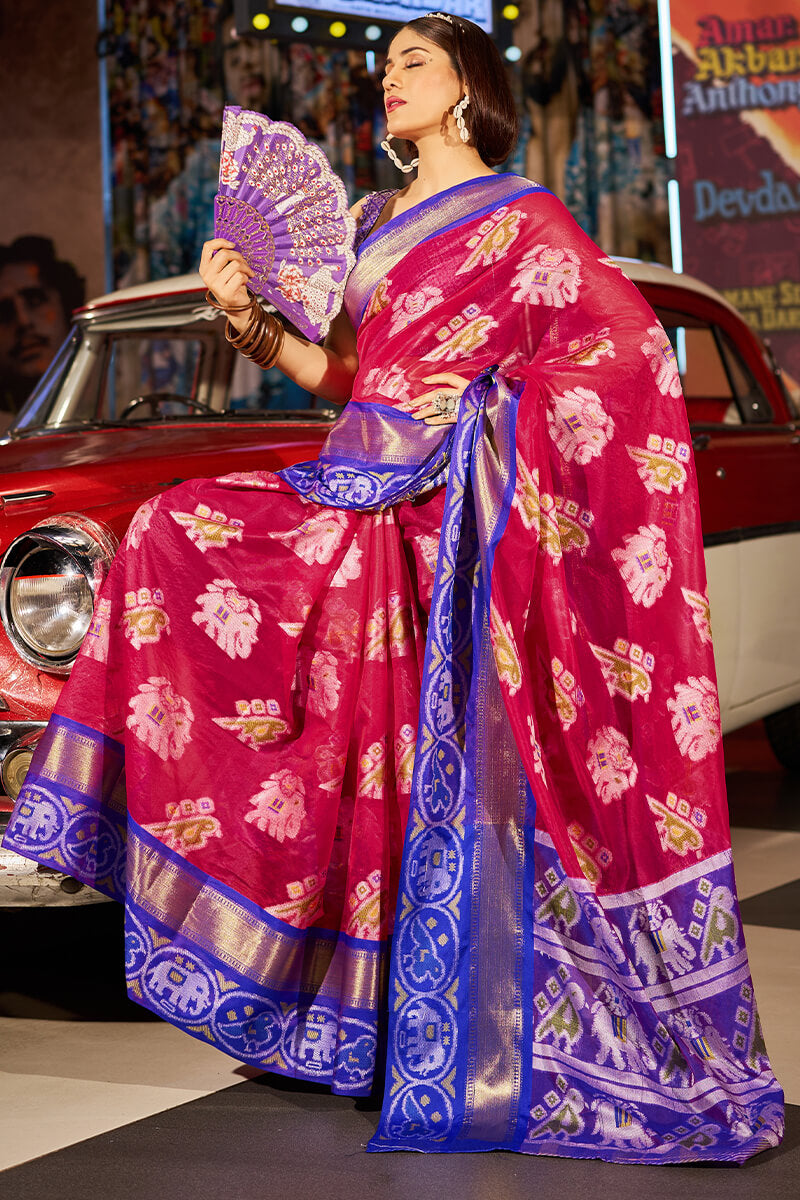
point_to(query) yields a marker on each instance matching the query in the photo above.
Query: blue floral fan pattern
(283, 207)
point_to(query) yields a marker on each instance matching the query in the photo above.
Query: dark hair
(491, 115)
(54, 272)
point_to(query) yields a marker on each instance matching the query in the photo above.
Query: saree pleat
(421, 741)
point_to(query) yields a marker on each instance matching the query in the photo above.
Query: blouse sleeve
(370, 211)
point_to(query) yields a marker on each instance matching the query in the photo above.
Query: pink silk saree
(428, 728)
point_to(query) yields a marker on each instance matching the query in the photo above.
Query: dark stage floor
(101, 1100)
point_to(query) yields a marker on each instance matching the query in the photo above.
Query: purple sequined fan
(283, 207)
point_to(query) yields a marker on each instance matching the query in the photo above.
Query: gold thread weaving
(312, 965)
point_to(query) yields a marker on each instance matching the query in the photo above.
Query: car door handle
(700, 441)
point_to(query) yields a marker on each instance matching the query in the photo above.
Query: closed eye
(407, 66)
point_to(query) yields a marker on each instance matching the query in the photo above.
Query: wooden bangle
(263, 349)
(262, 341)
(268, 354)
(245, 339)
(210, 299)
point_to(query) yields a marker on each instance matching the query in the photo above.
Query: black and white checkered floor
(99, 1099)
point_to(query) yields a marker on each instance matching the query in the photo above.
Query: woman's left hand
(440, 405)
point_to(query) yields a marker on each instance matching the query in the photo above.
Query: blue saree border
(412, 214)
(423, 222)
(301, 1002)
(434, 1048)
(68, 815)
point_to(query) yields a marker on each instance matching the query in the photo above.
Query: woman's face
(420, 86)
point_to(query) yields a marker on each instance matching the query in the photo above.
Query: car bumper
(26, 884)
(23, 883)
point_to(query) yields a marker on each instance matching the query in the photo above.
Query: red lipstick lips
(393, 102)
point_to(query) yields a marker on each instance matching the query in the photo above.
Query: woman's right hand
(225, 273)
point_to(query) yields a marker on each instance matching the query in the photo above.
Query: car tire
(783, 732)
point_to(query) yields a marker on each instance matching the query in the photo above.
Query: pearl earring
(458, 113)
(395, 157)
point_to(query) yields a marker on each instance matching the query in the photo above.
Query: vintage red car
(146, 392)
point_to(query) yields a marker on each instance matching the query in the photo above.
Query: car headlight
(49, 577)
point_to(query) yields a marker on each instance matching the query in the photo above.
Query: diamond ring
(445, 403)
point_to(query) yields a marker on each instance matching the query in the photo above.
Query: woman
(530, 796)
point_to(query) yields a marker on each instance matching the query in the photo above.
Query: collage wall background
(587, 84)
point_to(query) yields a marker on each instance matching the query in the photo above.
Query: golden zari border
(379, 256)
(494, 1079)
(313, 963)
(83, 763)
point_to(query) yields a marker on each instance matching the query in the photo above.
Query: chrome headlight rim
(90, 547)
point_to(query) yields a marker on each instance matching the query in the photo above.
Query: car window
(182, 357)
(169, 368)
(111, 371)
(718, 386)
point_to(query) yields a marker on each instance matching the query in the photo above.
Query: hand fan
(286, 211)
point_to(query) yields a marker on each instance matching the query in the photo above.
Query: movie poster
(737, 97)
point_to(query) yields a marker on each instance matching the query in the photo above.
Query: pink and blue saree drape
(443, 703)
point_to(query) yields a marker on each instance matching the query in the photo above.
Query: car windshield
(172, 364)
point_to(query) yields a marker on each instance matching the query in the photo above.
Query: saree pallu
(442, 702)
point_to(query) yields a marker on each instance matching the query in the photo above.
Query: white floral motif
(228, 617)
(350, 566)
(548, 276)
(610, 763)
(411, 305)
(660, 354)
(579, 425)
(392, 384)
(695, 717)
(644, 564)
(341, 627)
(323, 683)
(279, 807)
(141, 522)
(161, 718)
(318, 537)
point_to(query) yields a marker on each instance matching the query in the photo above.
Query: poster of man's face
(37, 295)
